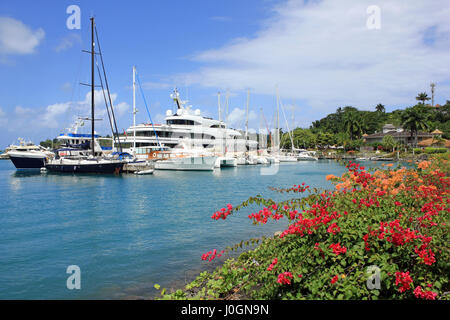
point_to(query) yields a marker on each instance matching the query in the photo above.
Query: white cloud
(68, 42)
(323, 53)
(236, 118)
(50, 118)
(18, 38)
(21, 111)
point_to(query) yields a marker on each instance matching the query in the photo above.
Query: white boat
(306, 156)
(184, 157)
(272, 159)
(225, 161)
(28, 155)
(189, 125)
(33, 159)
(262, 160)
(287, 158)
(251, 161)
(145, 172)
(187, 163)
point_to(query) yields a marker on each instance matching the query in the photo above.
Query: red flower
(337, 249)
(274, 262)
(428, 295)
(284, 278)
(403, 279)
(333, 228)
(334, 279)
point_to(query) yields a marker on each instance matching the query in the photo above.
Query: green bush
(431, 150)
(393, 221)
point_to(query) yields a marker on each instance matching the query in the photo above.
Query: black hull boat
(85, 166)
(28, 159)
(27, 163)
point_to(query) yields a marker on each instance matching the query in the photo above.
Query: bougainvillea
(393, 218)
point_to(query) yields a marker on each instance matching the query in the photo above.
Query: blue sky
(320, 54)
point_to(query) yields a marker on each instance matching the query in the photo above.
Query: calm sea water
(127, 232)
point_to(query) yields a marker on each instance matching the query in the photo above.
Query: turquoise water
(127, 232)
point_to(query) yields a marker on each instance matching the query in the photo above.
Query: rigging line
(268, 130)
(146, 107)
(287, 125)
(107, 87)
(106, 102)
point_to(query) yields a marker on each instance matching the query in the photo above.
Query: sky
(318, 54)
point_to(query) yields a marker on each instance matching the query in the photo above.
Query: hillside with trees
(347, 125)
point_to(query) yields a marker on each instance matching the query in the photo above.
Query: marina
(222, 151)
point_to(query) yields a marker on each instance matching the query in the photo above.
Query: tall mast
(92, 85)
(278, 122)
(226, 112)
(134, 110)
(218, 106)
(246, 115)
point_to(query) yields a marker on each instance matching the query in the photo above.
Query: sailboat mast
(134, 110)
(278, 122)
(246, 115)
(92, 86)
(218, 106)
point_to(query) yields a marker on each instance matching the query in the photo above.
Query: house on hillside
(435, 141)
(399, 134)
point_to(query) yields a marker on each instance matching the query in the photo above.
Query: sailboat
(281, 157)
(90, 164)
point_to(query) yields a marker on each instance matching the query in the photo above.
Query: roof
(396, 134)
(388, 125)
(431, 141)
(437, 131)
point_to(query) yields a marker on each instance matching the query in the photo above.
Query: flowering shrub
(393, 218)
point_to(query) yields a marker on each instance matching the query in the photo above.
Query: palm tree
(352, 124)
(380, 108)
(422, 97)
(389, 142)
(415, 119)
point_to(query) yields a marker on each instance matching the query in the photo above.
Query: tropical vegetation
(347, 126)
(379, 234)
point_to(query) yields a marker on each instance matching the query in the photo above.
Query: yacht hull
(187, 164)
(27, 160)
(105, 168)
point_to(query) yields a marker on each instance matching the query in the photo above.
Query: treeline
(347, 125)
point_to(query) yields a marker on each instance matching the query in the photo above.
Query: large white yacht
(185, 126)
